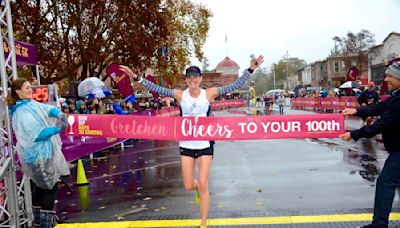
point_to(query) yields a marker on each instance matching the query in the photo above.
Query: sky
(301, 28)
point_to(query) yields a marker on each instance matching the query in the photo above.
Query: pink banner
(218, 105)
(348, 102)
(207, 128)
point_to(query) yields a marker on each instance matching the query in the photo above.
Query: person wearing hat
(195, 101)
(65, 108)
(367, 97)
(387, 125)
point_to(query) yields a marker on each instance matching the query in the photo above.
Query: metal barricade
(15, 196)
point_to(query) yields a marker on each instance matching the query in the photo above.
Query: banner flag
(120, 79)
(207, 128)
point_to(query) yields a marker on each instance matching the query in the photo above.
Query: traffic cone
(81, 175)
(83, 196)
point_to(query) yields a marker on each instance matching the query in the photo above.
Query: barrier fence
(174, 111)
(327, 103)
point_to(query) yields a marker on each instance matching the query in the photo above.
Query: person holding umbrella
(195, 101)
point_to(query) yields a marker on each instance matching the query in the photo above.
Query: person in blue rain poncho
(38, 148)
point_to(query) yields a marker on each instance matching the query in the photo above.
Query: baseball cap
(193, 71)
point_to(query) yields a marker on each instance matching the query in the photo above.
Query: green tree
(205, 65)
(293, 65)
(260, 79)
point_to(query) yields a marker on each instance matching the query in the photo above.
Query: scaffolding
(15, 196)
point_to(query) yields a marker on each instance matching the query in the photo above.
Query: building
(293, 81)
(336, 71)
(306, 76)
(226, 72)
(227, 67)
(381, 56)
(319, 74)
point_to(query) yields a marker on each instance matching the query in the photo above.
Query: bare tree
(354, 48)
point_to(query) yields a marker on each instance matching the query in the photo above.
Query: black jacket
(368, 95)
(388, 124)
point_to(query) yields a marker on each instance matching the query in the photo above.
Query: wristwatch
(139, 79)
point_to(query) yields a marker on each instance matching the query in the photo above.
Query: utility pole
(287, 70)
(274, 77)
(226, 44)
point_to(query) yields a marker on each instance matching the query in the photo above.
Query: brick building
(226, 72)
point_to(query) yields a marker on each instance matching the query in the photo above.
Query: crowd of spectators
(112, 105)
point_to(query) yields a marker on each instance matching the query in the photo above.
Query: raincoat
(41, 158)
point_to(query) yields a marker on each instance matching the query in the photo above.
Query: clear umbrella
(349, 85)
(93, 88)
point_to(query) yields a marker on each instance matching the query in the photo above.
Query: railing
(333, 104)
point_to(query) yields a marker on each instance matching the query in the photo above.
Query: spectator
(367, 97)
(388, 125)
(65, 108)
(81, 107)
(38, 148)
(117, 108)
(280, 101)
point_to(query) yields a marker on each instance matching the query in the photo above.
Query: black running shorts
(195, 153)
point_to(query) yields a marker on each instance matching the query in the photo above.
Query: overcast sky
(304, 28)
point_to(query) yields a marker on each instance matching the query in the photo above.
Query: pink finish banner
(207, 128)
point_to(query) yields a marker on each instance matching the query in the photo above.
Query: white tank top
(194, 107)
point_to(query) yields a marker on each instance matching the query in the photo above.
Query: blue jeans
(281, 109)
(388, 181)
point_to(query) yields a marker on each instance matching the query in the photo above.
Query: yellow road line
(232, 221)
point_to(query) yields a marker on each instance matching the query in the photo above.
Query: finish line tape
(207, 128)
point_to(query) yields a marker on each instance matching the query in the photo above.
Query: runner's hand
(255, 63)
(349, 111)
(128, 71)
(346, 136)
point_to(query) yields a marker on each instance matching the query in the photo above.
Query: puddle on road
(362, 155)
(116, 177)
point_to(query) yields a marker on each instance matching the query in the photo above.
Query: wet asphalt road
(276, 177)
